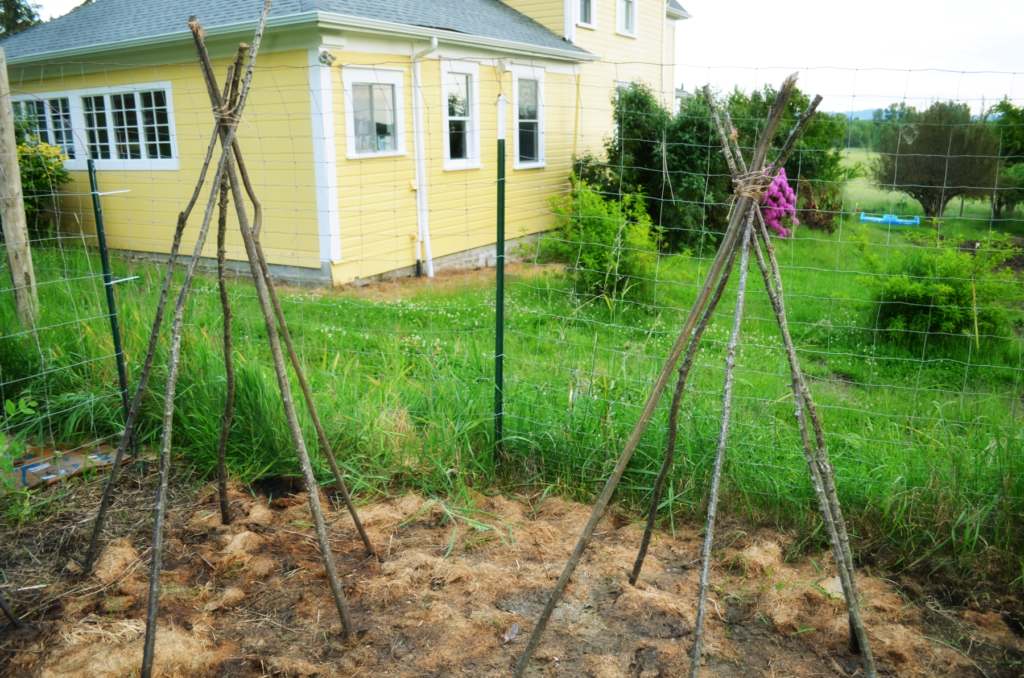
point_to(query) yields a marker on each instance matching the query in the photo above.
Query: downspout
(422, 214)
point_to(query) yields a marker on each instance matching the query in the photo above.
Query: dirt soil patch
(251, 598)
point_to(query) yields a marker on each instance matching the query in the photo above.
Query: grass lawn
(925, 438)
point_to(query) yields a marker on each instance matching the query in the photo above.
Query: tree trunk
(12, 210)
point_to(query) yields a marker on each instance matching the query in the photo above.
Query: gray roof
(676, 10)
(111, 21)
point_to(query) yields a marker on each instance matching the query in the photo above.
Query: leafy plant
(940, 289)
(42, 175)
(610, 246)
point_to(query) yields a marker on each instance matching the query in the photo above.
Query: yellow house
(371, 128)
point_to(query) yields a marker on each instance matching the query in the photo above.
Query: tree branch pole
(818, 464)
(234, 75)
(723, 434)
(276, 304)
(147, 365)
(828, 499)
(673, 414)
(732, 233)
(12, 210)
(173, 365)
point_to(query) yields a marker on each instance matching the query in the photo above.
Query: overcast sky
(858, 55)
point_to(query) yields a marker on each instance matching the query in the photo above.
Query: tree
(1008, 129)
(665, 158)
(16, 16)
(935, 155)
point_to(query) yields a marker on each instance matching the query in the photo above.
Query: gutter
(320, 20)
(673, 13)
(422, 208)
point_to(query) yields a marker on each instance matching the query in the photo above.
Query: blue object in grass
(890, 219)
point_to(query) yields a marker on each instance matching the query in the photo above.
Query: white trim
(618, 18)
(569, 20)
(593, 15)
(473, 161)
(528, 73)
(351, 75)
(325, 157)
(78, 133)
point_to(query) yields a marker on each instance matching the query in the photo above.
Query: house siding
(548, 13)
(275, 136)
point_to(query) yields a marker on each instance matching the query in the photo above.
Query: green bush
(610, 246)
(945, 289)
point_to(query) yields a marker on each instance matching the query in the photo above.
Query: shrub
(945, 287)
(610, 246)
(42, 174)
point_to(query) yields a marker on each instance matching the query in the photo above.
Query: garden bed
(251, 598)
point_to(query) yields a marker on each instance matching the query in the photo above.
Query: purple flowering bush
(779, 206)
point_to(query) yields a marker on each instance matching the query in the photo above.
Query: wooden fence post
(12, 209)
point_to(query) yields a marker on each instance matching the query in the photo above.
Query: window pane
(585, 12)
(60, 117)
(155, 124)
(126, 127)
(529, 141)
(96, 127)
(458, 147)
(528, 99)
(457, 94)
(384, 116)
(34, 113)
(373, 115)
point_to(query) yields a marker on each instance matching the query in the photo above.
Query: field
(925, 437)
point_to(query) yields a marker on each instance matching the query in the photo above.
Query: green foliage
(610, 246)
(42, 175)
(1008, 129)
(935, 155)
(16, 16)
(944, 290)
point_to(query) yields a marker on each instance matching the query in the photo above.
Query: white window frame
(473, 161)
(373, 75)
(81, 142)
(619, 18)
(52, 119)
(528, 73)
(593, 14)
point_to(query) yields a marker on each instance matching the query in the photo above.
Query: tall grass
(926, 442)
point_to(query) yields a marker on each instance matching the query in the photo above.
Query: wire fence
(379, 185)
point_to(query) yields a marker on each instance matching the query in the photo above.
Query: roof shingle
(111, 21)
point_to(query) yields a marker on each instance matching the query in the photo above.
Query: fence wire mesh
(378, 182)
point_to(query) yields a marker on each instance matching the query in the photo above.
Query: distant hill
(866, 114)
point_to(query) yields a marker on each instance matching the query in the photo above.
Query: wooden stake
(12, 210)
(159, 510)
(147, 365)
(732, 233)
(9, 613)
(723, 434)
(673, 415)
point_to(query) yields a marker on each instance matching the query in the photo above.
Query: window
(457, 96)
(96, 127)
(127, 127)
(461, 113)
(528, 102)
(50, 120)
(374, 112)
(627, 17)
(587, 15)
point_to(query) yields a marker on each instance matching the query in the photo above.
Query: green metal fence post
(499, 300)
(108, 283)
